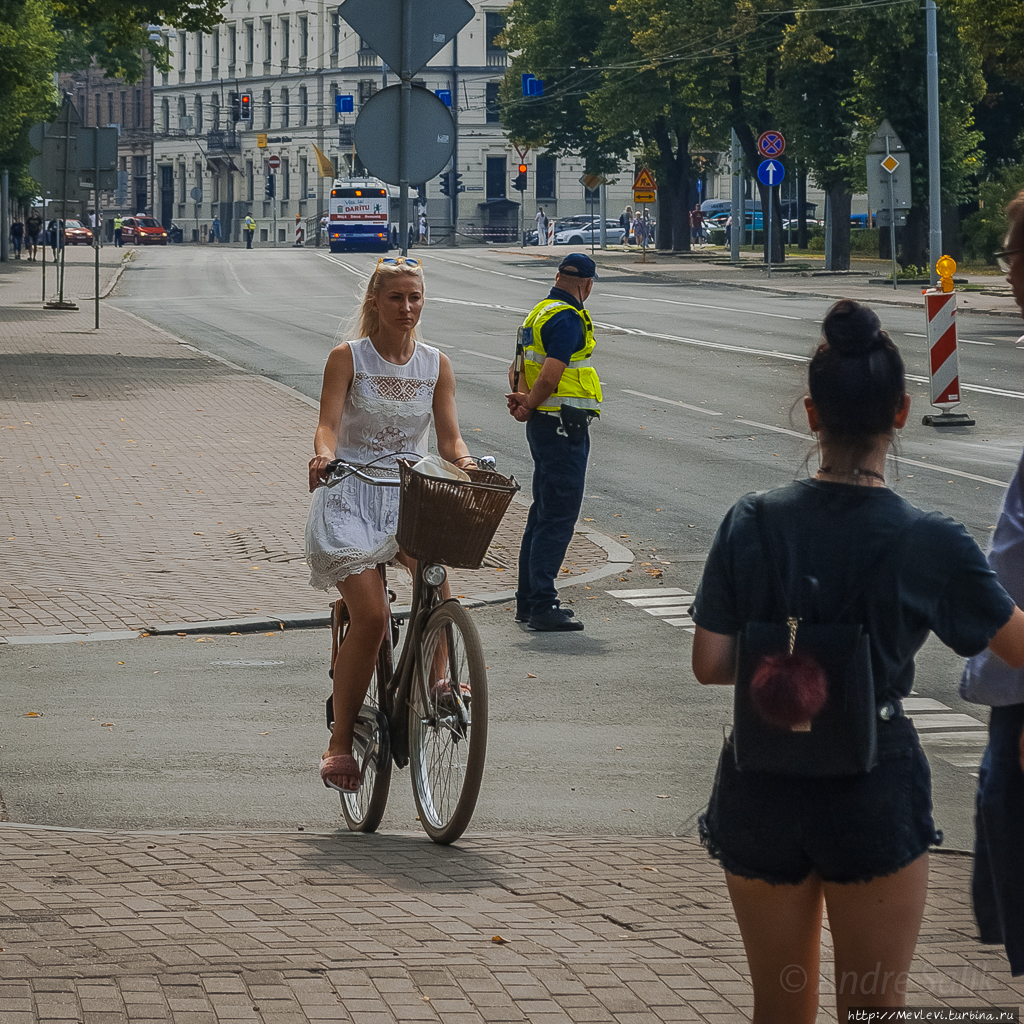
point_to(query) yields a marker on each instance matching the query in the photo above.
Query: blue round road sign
(770, 172)
(771, 144)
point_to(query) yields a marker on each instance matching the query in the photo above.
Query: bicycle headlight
(435, 575)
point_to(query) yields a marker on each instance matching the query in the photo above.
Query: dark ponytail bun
(856, 377)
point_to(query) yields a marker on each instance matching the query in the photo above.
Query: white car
(578, 234)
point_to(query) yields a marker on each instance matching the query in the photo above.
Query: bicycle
(430, 710)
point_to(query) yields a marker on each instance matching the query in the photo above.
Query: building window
(124, 110)
(250, 44)
(140, 118)
(494, 25)
(546, 167)
(286, 185)
(99, 109)
(215, 49)
(165, 115)
(286, 38)
(496, 178)
(284, 108)
(182, 183)
(493, 111)
(110, 108)
(232, 43)
(141, 183)
(268, 40)
(367, 87)
(199, 53)
(334, 102)
(197, 173)
(268, 109)
(335, 33)
(303, 37)
(215, 189)
(182, 113)
(199, 114)
(303, 177)
(182, 61)
(249, 182)
(215, 112)
(303, 105)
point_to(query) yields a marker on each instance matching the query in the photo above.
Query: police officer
(555, 392)
(118, 222)
(250, 230)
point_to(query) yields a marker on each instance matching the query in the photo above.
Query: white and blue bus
(359, 215)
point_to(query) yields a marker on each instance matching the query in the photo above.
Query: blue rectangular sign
(444, 95)
(343, 104)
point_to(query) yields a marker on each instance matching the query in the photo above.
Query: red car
(76, 233)
(142, 230)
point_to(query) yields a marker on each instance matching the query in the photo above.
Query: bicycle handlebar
(335, 468)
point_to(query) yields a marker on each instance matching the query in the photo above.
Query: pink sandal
(340, 764)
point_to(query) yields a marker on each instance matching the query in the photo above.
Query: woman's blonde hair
(366, 321)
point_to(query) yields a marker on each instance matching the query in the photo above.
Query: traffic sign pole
(890, 164)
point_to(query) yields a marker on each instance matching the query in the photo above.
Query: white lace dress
(351, 527)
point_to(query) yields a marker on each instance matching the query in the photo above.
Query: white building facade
(294, 58)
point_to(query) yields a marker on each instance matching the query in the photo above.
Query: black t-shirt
(935, 578)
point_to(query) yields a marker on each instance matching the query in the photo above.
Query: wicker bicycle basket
(451, 521)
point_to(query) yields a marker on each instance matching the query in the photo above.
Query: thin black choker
(852, 472)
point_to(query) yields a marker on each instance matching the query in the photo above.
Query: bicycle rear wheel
(364, 809)
(448, 724)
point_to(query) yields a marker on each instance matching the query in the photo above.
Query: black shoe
(554, 619)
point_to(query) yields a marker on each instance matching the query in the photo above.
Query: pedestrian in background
(697, 225)
(118, 224)
(17, 236)
(423, 229)
(728, 230)
(250, 230)
(626, 223)
(837, 548)
(33, 228)
(215, 230)
(542, 226)
(998, 882)
(555, 392)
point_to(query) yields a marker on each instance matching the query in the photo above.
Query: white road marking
(924, 704)
(950, 721)
(484, 355)
(778, 430)
(671, 401)
(701, 305)
(670, 604)
(652, 592)
(967, 341)
(478, 305)
(343, 265)
(235, 276)
(655, 602)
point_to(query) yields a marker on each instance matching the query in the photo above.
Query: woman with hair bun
(381, 391)
(792, 844)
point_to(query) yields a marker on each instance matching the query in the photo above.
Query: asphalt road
(701, 386)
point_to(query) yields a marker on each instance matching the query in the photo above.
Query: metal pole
(604, 215)
(273, 210)
(5, 228)
(771, 193)
(892, 219)
(737, 200)
(455, 149)
(64, 204)
(404, 124)
(934, 171)
(96, 216)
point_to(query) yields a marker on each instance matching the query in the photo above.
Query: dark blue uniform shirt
(563, 333)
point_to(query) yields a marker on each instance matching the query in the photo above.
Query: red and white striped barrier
(943, 354)
(551, 232)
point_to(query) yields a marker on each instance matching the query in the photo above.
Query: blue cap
(578, 264)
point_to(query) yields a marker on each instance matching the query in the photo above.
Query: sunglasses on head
(1003, 258)
(398, 260)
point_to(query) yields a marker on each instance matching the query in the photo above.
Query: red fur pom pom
(788, 689)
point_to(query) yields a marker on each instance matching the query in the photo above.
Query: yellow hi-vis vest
(117, 222)
(579, 386)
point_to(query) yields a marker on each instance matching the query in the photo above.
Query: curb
(117, 277)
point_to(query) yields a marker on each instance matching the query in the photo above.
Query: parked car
(561, 225)
(578, 234)
(142, 230)
(76, 233)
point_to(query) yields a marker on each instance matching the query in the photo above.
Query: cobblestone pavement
(105, 928)
(146, 483)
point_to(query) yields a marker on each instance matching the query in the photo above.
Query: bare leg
(874, 929)
(781, 929)
(353, 667)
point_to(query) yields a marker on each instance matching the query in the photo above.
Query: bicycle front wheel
(448, 723)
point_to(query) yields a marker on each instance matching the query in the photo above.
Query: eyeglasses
(1002, 258)
(398, 260)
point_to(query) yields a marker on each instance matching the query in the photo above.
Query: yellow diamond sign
(890, 163)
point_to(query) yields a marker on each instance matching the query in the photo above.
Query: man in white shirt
(542, 226)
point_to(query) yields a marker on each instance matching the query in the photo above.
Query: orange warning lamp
(945, 267)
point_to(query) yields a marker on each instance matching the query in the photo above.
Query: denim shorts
(779, 829)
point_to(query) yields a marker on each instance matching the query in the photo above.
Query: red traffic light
(522, 168)
(245, 106)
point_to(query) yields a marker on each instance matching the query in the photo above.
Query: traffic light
(520, 183)
(236, 106)
(270, 189)
(457, 183)
(446, 183)
(421, 193)
(245, 107)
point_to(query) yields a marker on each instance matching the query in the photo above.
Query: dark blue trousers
(559, 474)
(998, 883)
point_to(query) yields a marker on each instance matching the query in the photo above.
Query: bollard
(943, 351)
